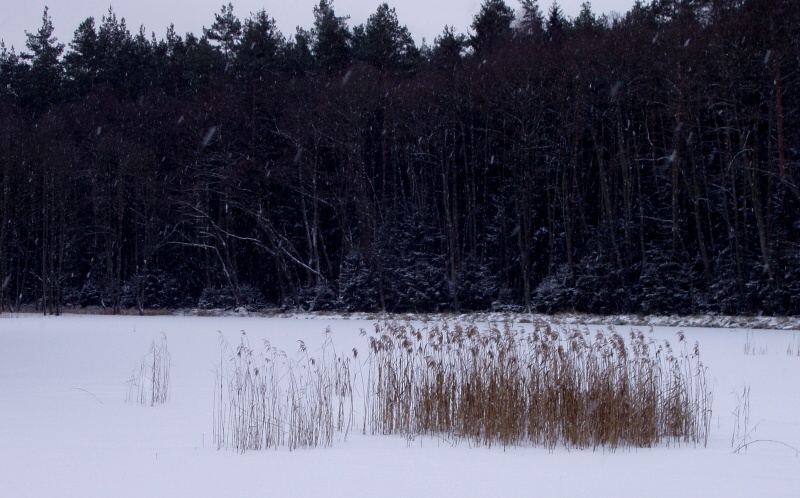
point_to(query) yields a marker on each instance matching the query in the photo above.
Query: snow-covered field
(67, 430)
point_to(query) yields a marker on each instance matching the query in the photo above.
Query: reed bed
(268, 399)
(546, 386)
(150, 381)
(751, 348)
(794, 347)
(488, 386)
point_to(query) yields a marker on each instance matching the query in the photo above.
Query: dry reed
(267, 400)
(501, 386)
(750, 347)
(741, 418)
(794, 347)
(150, 382)
(497, 385)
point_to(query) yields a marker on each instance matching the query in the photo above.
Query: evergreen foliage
(645, 163)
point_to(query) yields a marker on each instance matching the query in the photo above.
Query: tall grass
(794, 347)
(268, 399)
(741, 416)
(489, 385)
(750, 347)
(501, 386)
(150, 381)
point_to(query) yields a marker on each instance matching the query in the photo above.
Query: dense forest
(647, 162)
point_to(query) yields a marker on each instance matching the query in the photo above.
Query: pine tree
(45, 75)
(448, 47)
(492, 25)
(556, 22)
(12, 74)
(226, 30)
(297, 54)
(81, 62)
(532, 21)
(115, 53)
(331, 38)
(383, 42)
(260, 46)
(586, 20)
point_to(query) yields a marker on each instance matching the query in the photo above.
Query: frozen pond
(67, 430)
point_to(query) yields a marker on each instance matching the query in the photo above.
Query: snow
(66, 430)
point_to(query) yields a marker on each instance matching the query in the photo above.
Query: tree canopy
(646, 162)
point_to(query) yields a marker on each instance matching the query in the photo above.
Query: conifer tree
(331, 38)
(226, 30)
(383, 42)
(45, 67)
(492, 25)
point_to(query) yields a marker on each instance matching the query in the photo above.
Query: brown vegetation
(496, 385)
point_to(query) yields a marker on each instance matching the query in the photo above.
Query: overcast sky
(424, 18)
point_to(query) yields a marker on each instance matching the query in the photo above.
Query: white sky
(424, 18)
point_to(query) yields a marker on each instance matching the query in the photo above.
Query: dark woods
(645, 163)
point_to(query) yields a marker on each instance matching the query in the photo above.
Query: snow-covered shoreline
(705, 321)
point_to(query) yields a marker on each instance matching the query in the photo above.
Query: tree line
(646, 162)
